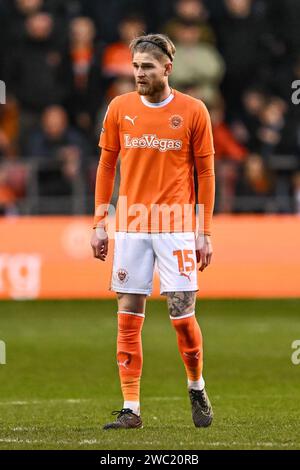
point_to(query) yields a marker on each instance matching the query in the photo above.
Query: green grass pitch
(60, 382)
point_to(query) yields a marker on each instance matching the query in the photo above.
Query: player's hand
(99, 243)
(204, 251)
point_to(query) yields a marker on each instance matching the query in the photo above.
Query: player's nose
(140, 73)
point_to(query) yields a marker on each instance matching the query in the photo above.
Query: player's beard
(150, 89)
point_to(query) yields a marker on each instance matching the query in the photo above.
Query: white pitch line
(74, 401)
(24, 429)
(88, 441)
(42, 402)
(21, 441)
(35, 441)
(200, 443)
(214, 444)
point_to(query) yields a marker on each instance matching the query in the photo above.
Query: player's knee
(181, 303)
(131, 302)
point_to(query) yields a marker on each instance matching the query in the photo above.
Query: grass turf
(60, 382)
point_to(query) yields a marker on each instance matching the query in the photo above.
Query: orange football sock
(130, 354)
(189, 339)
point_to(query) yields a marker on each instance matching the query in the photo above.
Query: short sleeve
(202, 137)
(109, 137)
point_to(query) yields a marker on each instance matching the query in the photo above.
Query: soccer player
(161, 136)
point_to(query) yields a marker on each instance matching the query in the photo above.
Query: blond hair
(156, 44)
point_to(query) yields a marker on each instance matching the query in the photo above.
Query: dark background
(63, 61)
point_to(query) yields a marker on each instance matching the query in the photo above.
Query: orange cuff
(206, 188)
(104, 186)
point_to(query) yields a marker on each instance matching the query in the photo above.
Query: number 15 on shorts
(185, 260)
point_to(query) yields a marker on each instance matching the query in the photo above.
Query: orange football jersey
(158, 146)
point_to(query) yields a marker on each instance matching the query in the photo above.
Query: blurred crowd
(64, 60)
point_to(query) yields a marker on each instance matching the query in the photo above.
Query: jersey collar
(157, 105)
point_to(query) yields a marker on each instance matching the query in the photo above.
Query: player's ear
(168, 69)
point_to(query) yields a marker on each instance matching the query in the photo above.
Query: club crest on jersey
(152, 141)
(122, 275)
(175, 121)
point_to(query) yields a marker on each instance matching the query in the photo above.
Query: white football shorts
(136, 254)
